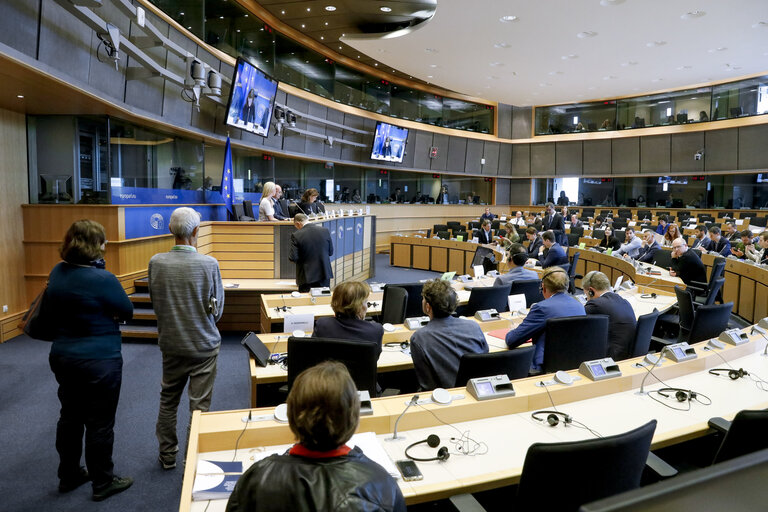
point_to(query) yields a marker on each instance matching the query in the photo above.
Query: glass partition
(679, 107)
(469, 189)
(231, 28)
(575, 118)
(745, 98)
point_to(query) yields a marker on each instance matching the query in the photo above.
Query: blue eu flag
(227, 182)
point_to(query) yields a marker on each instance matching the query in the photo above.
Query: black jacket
(621, 322)
(648, 253)
(689, 268)
(311, 249)
(483, 237)
(533, 248)
(291, 483)
(347, 328)
(556, 225)
(611, 242)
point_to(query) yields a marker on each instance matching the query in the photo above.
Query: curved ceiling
(539, 52)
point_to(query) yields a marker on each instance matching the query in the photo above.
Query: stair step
(144, 314)
(141, 284)
(139, 331)
(140, 297)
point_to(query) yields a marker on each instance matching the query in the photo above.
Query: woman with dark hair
(248, 114)
(350, 304)
(83, 305)
(308, 204)
(610, 241)
(320, 472)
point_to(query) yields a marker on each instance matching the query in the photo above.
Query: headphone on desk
(552, 418)
(433, 441)
(402, 344)
(732, 374)
(684, 395)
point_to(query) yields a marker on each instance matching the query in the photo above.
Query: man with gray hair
(621, 317)
(188, 299)
(647, 253)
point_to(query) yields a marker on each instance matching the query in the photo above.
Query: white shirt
(266, 208)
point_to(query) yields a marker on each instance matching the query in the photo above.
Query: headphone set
(648, 296)
(548, 273)
(433, 441)
(732, 373)
(681, 395)
(552, 418)
(402, 344)
(282, 308)
(371, 304)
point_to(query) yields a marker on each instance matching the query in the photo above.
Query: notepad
(499, 333)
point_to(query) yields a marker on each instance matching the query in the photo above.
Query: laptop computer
(256, 347)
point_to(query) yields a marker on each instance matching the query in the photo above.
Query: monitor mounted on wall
(389, 143)
(251, 99)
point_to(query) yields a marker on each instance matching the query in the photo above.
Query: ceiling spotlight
(244, 15)
(629, 63)
(309, 9)
(609, 3)
(430, 50)
(570, 56)
(654, 44)
(760, 24)
(433, 65)
(303, 26)
(326, 23)
(282, 12)
(718, 49)
(496, 64)
(508, 19)
(430, 76)
(321, 37)
(330, 8)
(384, 8)
(20, 96)
(502, 45)
(221, 17)
(692, 15)
(181, 14)
(586, 34)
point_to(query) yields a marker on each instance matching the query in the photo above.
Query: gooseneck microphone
(642, 384)
(412, 402)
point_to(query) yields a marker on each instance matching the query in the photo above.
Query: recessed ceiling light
(609, 3)
(326, 23)
(342, 35)
(283, 11)
(610, 77)
(586, 34)
(321, 37)
(20, 96)
(553, 73)
(493, 77)
(309, 9)
(189, 28)
(545, 84)
(182, 14)
(495, 64)
(339, 47)
(244, 15)
(508, 19)
(375, 63)
(629, 63)
(692, 15)
(330, 8)
(718, 49)
(238, 30)
(433, 65)
(502, 45)
(680, 68)
(654, 44)
(760, 24)
(657, 80)
(303, 26)
(430, 50)
(570, 56)
(429, 76)
(221, 17)
(384, 8)
(358, 56)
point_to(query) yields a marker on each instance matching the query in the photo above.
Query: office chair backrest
(573, 340)
(621, 236)
(644, 214)
(439, 227)
(248, 207)
(462, 234)
(589, 212)
(445, 235)
(663, 257)
(600, 468)
(239, 212)
(643, 332)
(474, 224)
(577, 231)
(746, 435)
(293, 209)
(393, 305)
(360, 358)
(531, 288)
(491, 297)
(495, 224)
(709, 321)
(598, 234)
(573, 239)
(623, 212)
(413, 305)
(718, 268)
(515, 364)
(685, 311)
(618, 224)
(453, 224)
(714, 289)
(758, 221)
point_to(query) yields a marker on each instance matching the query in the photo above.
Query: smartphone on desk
(409, 470)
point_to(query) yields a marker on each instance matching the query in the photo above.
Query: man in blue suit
(648, 252)
(556, 304)
(554, 253)
(719, 244)
(516, 258)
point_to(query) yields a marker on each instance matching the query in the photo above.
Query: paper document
(372, 449)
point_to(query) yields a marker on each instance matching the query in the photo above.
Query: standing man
(553, 221)
(556, 304)
(686, 264)
(621, 317)
(188, 298)
(278, 203)
(437, 347)
(311, 249)
(484, 235)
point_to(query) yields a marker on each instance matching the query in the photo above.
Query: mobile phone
(409, 470)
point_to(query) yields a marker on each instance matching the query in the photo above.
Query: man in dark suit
(311, 249)
(719, 243)
(701, 240)
(553, 253)
(484, 235)
(647, 253)
(556, 304)
(686, 264)
(277, 203)
(552, 220)
(621, 317)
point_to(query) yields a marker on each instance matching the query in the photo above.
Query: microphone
(300, 208)
(642, 384)
(412, 402)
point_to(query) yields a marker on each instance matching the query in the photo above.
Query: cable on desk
(760, 383)
(237, 443)
(463, 444)
(575, 423)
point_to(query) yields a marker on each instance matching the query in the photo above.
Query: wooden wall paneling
(421, 257)
(401, 255)
(456, 261)
(655, 154)
(721, 149)
(13, 193)
(440, 259)
(746, 298)
(47, 222)
(761, 302)
(543, 159)
(625, 155)
(731, 289)
(596, 156)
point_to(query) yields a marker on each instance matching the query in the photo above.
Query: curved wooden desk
(436, 254)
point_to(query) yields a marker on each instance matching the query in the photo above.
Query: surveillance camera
(214, 83)
(698, 155)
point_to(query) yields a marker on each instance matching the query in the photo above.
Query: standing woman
(266, 206)
(83, 305)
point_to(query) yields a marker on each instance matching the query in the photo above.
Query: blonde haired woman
(266, 207)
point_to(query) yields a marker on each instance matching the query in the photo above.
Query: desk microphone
(642, 384)
(300, 208)
(394, 433)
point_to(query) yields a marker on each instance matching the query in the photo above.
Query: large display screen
(251, 99)
(389, 143)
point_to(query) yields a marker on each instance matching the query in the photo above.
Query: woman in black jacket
(350, 304)
(610, 241)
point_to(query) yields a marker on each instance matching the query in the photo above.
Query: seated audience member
(686, 264)
(647, 253)
(552, 253)
(732, 233)
(518, 220)
(609, 241)
(761, 254)
(534, 221)
(556, 304)
(484, 234)
(719, 244)
(320, 472)
(534, 242)
(661, 229)
(632, 246)
(599, 223)
(511, 236)
(564, 213)
(575, 222)
(309, 204)
(349, 304)
(672, 232)
(621, 317)
(280, 205)
(746, 245)
(487, 215)
(516, 258)
(437, 347)
(701, 240)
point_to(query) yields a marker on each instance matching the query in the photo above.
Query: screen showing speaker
(251, 99)
(389, 143)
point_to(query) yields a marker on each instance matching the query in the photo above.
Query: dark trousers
(89, 390)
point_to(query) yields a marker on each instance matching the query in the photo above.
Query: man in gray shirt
(437, 347)
(188, 299)
(632, 246)
(516, 258)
